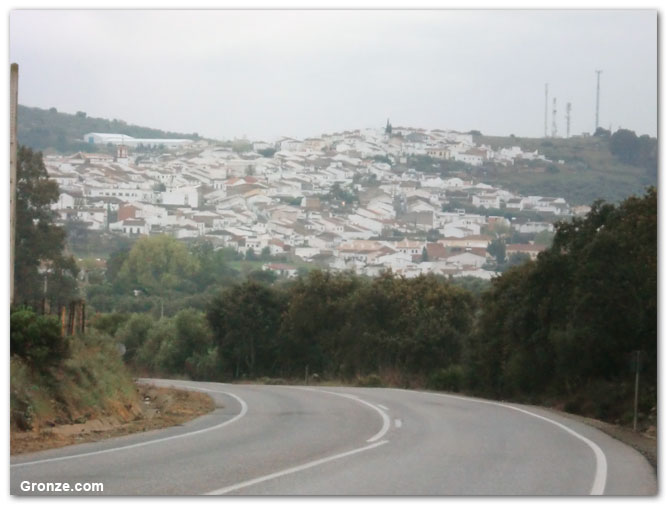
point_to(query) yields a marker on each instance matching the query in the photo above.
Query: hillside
(583, 171)
(50, 130)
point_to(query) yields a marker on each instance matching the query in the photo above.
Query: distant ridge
(50, 130)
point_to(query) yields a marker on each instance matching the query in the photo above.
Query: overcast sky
(269, 73)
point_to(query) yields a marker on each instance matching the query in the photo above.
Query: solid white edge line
(386, 422)
(383, 407)
(294, 469)
(244, 410)
(600, 479)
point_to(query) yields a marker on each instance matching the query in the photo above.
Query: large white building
(121, 139)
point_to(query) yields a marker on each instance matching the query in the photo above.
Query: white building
(121, 139)
(183, 197)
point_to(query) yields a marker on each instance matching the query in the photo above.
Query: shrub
(447, 379)
(133, 334)
(204, 366)
(37, 339)
(370, 381)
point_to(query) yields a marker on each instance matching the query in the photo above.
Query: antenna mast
(597, 101)
(554, 125)
(546, 108)
(568, 110)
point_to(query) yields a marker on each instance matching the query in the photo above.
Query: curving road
(282, 440)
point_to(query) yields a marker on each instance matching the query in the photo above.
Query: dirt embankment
(159, 408)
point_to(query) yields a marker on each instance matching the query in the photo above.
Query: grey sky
(264, 74)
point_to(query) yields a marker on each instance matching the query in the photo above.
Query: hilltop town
(363, 200)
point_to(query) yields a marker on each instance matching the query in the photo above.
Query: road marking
(294, 469)
(386, 422)
(383, 407)
(600, 479)
(398, 423)
(244, 409)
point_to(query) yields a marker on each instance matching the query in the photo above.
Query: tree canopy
(158, 264)
(40, 243)
(568, 323)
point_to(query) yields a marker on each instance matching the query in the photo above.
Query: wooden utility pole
(13, 146)
(637, 364)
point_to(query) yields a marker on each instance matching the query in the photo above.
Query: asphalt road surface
(288, 440)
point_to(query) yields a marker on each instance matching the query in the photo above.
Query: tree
(157, 265)
(246, 320)
(250, 254)
(133, 333)
(648, 154)
(267, 153)
(433, 235)
(213, 265)
(601, 132)
(544, 237)
(265, 255)
(497, 249)
(40, 243)
(625, 146)
(518, 259)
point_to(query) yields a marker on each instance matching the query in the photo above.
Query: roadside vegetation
(58, 379)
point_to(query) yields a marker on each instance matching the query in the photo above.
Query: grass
(92, 382)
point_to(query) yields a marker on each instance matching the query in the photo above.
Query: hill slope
(44, 130)
(583, 171)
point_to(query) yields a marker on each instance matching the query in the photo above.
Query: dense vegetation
(42, 129)
(567, 325)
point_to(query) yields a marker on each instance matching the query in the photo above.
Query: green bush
(133, 334)
(204, 366)
(37, 339)
(109, 323)
(447, 379)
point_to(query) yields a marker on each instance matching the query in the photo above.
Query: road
(289, 440)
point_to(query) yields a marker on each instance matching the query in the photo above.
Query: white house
(131, 227)
(183, 197)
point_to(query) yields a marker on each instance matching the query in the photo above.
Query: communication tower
(597, 102)
(554, 125)
(568, 110)
(546, 108)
